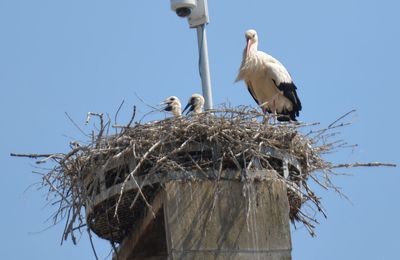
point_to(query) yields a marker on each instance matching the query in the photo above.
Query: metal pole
(204, 66)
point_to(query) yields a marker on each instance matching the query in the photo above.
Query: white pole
(204, 66)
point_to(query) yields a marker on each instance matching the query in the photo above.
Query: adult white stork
(195, 104)
(173, 105)
(268, 81)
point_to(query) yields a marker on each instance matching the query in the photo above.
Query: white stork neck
(177, 112)
(197, 110)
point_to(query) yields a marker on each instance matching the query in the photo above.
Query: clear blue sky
(79, 56)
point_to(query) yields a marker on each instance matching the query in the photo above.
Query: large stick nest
(225, 139)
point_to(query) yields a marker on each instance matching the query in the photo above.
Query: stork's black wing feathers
(289, 91)
(250, 89)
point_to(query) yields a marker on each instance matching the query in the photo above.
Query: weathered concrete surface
(214, 220)
(227, 220)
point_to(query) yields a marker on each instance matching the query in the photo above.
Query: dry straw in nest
(230, 138)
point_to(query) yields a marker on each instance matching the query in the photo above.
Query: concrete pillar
(207, 219)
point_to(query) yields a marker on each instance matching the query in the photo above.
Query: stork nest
(236, 138)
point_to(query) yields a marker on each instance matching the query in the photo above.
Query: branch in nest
(370, 164)
(36, 156)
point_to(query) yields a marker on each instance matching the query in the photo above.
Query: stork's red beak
(249, 43)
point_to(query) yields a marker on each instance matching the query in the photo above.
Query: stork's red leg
(264, 110)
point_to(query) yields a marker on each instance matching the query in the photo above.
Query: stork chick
(195, 104)
(268, 81)
(173, 105)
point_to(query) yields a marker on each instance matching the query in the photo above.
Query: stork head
(195, 104)
(251, 40)
(173, 105)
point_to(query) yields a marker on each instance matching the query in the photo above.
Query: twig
(115, 250)
(340, 118)
(132, 118)
(132, 173)
(119, 108)
(101, 131)
(35, 156)
(73, 122)
(56, 190)
(143, 197)
(370, 164)
(144, 102)
(91, 244)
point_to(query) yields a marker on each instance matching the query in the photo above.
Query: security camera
(183, 8)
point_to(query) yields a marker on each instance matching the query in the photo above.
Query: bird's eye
(172, 99)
